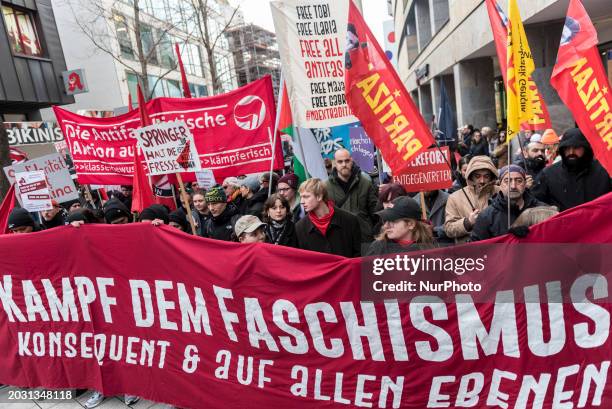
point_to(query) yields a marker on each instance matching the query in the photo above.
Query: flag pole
(185, 202)
(276, 122)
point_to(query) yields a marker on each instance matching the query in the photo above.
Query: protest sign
(32, 133)
(205, 178)
(232, 325)
(429, 170)
(362, 148)
(232, 134)
(33, 190)
(311, 37)
(61, 185)
(168, 147)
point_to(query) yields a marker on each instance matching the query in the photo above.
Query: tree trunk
(5, 160)
(202, 17)
(142, 59)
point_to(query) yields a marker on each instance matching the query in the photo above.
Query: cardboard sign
(168, 147)
(33, 190)
(61, 186)
(33, 133)
(205, 178)
(428, 171)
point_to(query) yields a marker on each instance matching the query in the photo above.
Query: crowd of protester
(352, 214)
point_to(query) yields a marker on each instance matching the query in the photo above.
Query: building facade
(450, 43)
(32, 60)
(255, 53)
(101, 38)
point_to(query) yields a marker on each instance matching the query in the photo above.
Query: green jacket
(361, 200)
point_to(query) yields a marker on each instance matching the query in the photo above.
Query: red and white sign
(33, 190)
(204, 323)
(168, 147)
(232, 133)
(428, 171)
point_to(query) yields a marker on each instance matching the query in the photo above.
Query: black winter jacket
(287, 236)
(343, 236)
(255, 204)
(222, 226)
(493, 221)
(383, 247)
(559, 186)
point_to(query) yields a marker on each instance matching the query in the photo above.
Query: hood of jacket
(575, 138)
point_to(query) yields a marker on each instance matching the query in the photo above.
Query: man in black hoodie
(220, 225)
(253, 197)
(493, 221)
(53, 217)
(578, 178)
(352, 190)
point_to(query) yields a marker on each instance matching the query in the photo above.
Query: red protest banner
(232, 132)
(427, 171)
(581, 82)
(283, 328)
(379, 99)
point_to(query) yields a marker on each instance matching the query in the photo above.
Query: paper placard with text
(34, 190)
(168, 147)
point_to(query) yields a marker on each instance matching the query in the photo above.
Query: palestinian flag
(307, 159)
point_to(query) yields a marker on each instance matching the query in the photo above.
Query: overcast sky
(258, 12)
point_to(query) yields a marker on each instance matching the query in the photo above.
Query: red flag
(499, 26)
(186, 90)
(581, 82)
(377, 96)
(142, 195)
(5, 208)
(103, 193)
(130, 104)
(145, 120)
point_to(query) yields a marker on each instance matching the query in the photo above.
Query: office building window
(166, 50)
(21, 31)
(148, 44)
(123, 36)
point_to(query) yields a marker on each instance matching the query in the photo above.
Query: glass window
(156, 88)
(174, 89)
(123, 36)
(132, 82)
(148, 44)
(159, 9)
(166, 51)
(202, 91)
(21, 31)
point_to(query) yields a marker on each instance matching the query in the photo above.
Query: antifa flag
(379, 99)
(581, 82)
(196, 322)
(232, 133)
(540, 118)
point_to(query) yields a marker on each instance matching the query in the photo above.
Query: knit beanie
(19, 218)
(115, 209)
(290, 179)
(178, 216)
(251, 182)
(215, 194)
(511, 168)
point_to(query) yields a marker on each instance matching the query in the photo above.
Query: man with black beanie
(20, 221)
(578, 178)
(115, 212)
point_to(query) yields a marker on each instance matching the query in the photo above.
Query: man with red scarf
(326, 228)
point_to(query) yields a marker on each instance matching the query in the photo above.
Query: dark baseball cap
(404, 207)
